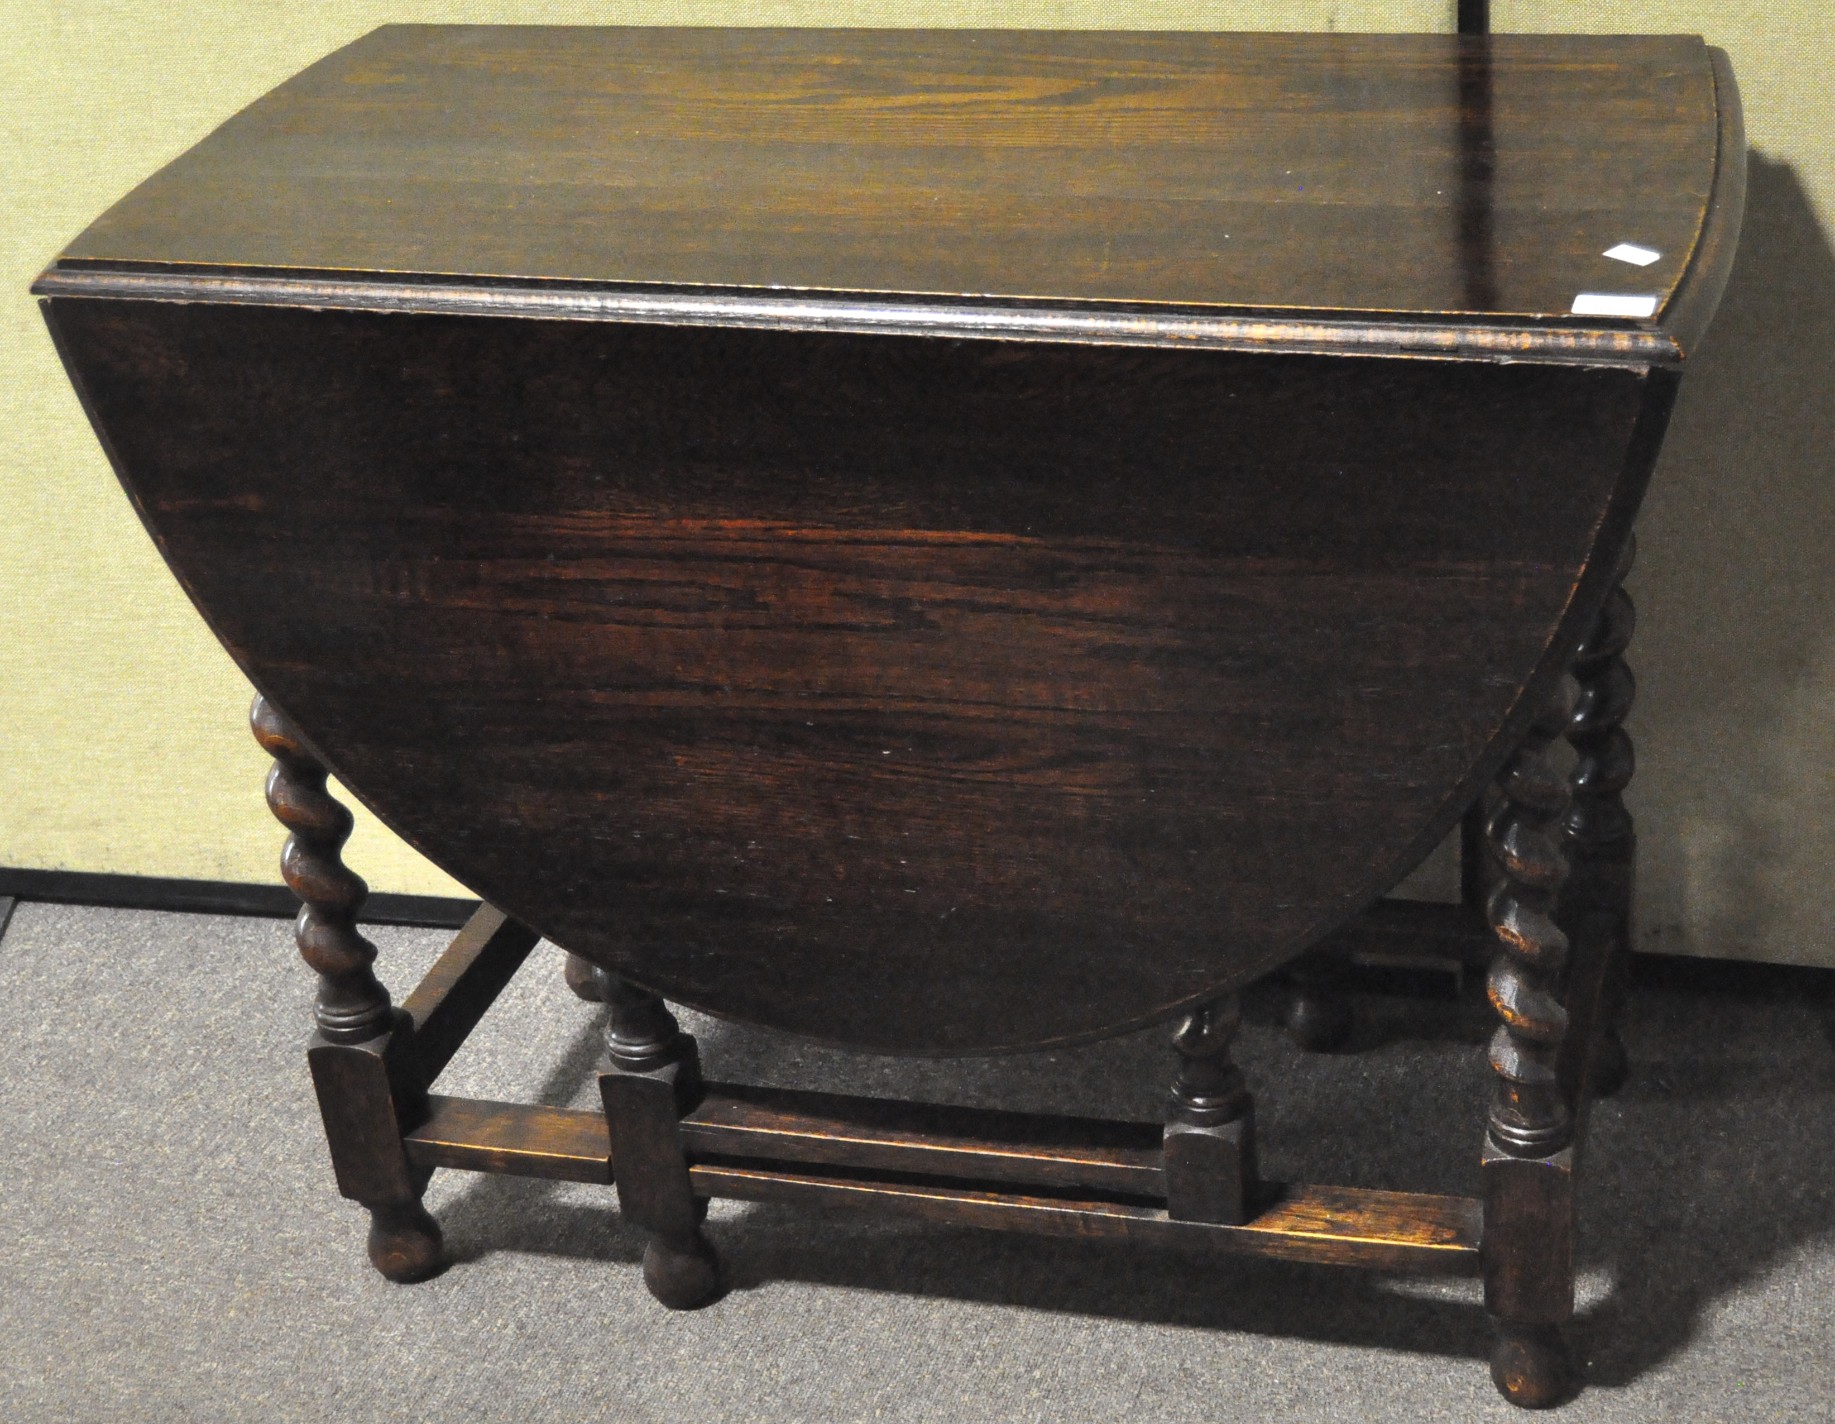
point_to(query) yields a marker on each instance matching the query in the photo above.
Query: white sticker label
(1614, 304)
(1633, 252)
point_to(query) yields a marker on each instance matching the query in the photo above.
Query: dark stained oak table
(938, 542)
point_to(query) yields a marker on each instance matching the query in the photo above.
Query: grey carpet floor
(172, 1248)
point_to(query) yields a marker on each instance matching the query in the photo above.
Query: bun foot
(585, 979)
(1531, 1365)
(1610, 1065)
(405, 1243)
(1319, 1022)
(682, 1277)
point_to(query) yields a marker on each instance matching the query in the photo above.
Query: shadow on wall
(1736, 591)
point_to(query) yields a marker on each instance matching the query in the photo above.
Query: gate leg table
(939, 543)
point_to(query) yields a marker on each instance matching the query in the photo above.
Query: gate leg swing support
(671, 1142)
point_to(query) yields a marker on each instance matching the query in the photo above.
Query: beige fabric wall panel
(122, 741)
(1735, 655)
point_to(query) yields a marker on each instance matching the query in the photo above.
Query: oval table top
(1450, 192)
(606, 447)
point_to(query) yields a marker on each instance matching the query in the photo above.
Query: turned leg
(1319, 1017)
(652, 1075)
(1209, 1144)
(1528, 1161)
(361, 1054)
(1601, 837)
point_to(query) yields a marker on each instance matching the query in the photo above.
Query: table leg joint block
(642, 1115)
(367, 1095)
(1210, 1169)
(1529, 1235)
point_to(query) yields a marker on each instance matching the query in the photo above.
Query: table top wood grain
(1160, 181)
(880, 534)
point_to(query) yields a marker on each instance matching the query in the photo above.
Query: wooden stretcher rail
(463, 983)
(873, 1134)
(1416, 930)
(521, 1139)
(1398, 1231)
(1332, 1225)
